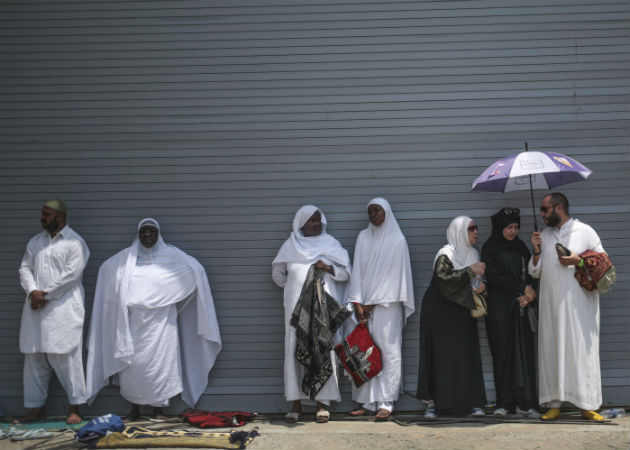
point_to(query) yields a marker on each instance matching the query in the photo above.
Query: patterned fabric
(316, 318)
(598, 272)
(140, 437)
(359, 355)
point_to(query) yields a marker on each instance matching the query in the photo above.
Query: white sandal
(322, 416)
(292, 417)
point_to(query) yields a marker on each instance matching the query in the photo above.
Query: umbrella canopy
(530, 170)
(547, 170)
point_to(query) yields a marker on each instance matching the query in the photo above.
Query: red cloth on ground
(216, 419)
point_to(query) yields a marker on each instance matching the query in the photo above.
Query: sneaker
(430, 412)
(500, 412)
(531, 413)
(478, 412)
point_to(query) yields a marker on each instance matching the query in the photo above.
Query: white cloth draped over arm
(110, 352)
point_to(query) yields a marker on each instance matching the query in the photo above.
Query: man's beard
(554, 219)
(51, 226)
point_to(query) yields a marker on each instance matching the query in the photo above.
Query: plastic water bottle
(475, 283)
(612, 413)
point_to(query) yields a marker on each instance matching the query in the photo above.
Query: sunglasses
(473, 228)
(510, 211)
(546, 208)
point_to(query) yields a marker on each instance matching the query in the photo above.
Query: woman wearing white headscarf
(153, 324)
(308, 244)
(450, 375)
(381, 290)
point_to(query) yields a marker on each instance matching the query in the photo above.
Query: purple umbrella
(529, 170)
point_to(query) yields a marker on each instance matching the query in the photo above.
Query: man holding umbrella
(568, 333)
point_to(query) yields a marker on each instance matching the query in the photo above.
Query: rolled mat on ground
(139, 437)
(217, 419)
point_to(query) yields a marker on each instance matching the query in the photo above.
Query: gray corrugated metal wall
(222, 118)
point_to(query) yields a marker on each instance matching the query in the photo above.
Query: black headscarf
(496, 243)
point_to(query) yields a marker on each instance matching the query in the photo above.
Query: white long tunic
(155, 372)
(288, 270)
(54, 265)
(381, 276)
(568, 333)
(291, 277)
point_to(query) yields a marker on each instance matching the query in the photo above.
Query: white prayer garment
(54, 265)
(568, 327)
(289, 270)
(381, 276)
(153, 324)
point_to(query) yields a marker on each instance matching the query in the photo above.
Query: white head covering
(308, 249)
(381, 272)
(459, 249)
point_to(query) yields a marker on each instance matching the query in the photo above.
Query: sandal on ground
(32, 434)
(360, 412)
(322, 416)
(9, 432)
(592, 415)
(292, 417)
(552, 414)
(383, 415)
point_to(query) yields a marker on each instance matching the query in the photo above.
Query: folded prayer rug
(140, 437)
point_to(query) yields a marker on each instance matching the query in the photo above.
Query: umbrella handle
(531, 194)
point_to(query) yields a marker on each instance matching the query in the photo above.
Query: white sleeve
(535, 270)
(279, 274)
(27, 280)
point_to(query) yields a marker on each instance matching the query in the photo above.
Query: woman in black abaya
(450, 377)
(510, 291)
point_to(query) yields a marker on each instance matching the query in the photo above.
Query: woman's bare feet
(33, 415)
(73, 416)
(383, 414)
(134, 414)
(158, 414)
(359, 412)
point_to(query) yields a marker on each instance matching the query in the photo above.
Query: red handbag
(597, 272)
(359, 355)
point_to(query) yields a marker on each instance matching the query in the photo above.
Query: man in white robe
(568, 328)
(381, 293)
(51, 331)
(153, 324)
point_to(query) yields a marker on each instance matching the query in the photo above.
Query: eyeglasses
(546, 208)
(510, 211)
(473, 228)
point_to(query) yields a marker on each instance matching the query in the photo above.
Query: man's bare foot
(33, 415)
